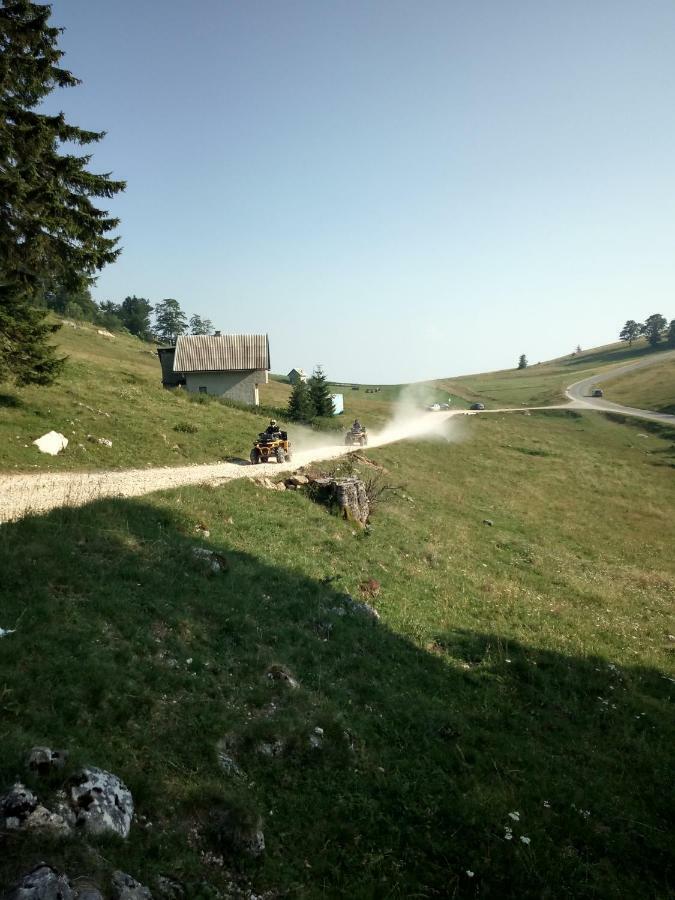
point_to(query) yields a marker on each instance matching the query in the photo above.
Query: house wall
(170, 379)
(239, 386)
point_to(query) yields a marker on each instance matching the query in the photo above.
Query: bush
(186, 427)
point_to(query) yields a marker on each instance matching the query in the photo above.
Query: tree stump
(346, 495)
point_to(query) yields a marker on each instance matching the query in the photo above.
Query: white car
(435, 407)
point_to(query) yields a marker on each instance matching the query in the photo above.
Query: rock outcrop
(102, 802)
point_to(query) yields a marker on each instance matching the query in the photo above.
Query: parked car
(435, 407)
(477, 406)
(597, 393)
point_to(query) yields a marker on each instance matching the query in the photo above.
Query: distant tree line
(656, 329)
(163, 323)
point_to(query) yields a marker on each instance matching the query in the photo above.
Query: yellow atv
(271, 446)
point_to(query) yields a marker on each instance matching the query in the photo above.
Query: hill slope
(543, 383)
(649, 388)
(111, 389)
(503, 728)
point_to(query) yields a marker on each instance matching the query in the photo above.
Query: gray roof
(221, 353)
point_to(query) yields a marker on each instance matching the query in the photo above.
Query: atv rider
(272, 429)
(356, 427)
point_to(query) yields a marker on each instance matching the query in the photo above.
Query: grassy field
(504, 730)
(649, 388)
(111, 388)
(542, 383)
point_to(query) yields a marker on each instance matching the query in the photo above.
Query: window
(202, 389)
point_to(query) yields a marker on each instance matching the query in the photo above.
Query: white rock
(103, 802)
(105, 333)
(52, 443)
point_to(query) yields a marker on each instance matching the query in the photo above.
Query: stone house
(297, 375)
(223, 365)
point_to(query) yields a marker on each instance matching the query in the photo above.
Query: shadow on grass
(620, 354)
(135, 659)
(9, 401)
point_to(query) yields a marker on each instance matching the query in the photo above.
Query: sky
(395, 190)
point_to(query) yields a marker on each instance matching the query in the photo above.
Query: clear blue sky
(397, 190)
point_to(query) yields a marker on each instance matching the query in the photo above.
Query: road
(22, 495)
(579, 392)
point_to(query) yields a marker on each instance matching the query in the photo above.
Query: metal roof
(221, 353)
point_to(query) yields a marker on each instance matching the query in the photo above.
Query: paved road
(579, 392)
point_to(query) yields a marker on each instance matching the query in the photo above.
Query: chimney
(216, 334)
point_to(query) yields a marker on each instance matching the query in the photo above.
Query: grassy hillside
(650, 388)
(542, 383)
(111, 388)
(517, 684)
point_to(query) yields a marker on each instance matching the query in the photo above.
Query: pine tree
(50, 231)
(522, 362)
(170, 321)
(135, 315)
(320, 393)
(26, 357)
(300, 405)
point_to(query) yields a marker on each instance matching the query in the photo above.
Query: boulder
(52, 443)
(86, 889)
(18, 803)
(43, 820)
(124, 887)
(357, 606)
(43, 759)
(297, 480)
(105, 333)
(103, 803)
(43, 883)
(215, 562)
(279, 673)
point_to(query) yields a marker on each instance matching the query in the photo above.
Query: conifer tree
(135, 314)
(522, 362)
(50, 231)
(300, 405)
(320, 393)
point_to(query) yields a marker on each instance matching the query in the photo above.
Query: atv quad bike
(271, 446)
(358, 438)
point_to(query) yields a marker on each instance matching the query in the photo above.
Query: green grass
(650, 388)
(112, 389)
(520, 667)
(542, 383)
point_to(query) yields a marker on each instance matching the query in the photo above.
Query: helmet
(273, 421)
